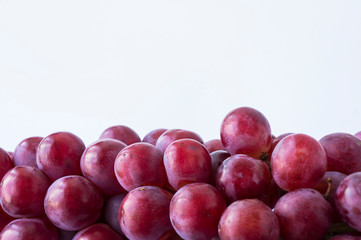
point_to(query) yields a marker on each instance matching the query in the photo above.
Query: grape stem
(329, 185)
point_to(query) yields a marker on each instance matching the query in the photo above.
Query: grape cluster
(248, 184)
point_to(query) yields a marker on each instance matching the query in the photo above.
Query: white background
(84, 65)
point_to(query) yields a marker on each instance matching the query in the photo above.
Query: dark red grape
(214, 145)
(28, 229)
(5, 163)
(144, 213)
(25, 152)
(121, 133)
(73, 203)
(172, 135)
(246, 131)
(298, 161)
(187, 161)
(217, 158)
(275, 141)
(59, 155)
(96, 232)
(111, 210)
(195, 211)
(153, 136)
(348, 200)
(23, 190)
(303, 214)
(4, 218)
(140, 164)
(248, 219)
(343, 152)
(97, 164)
(241, 176)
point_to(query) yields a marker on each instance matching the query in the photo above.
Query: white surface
(82, 66)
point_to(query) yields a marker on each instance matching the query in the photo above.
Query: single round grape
(23, 191)
(172, 135)
(73, 203)
(214, 145)
(96, 232)
(122, 133)
(111, 209)
(217, 158)
(348, 200)
(298, 161)
(248, 219)
(343, 152)
(5, 163)
(241, 176)
(246, 131)
(303, 214)
(275, 141)
(97, 165)
(144, 213)
(195, 211)
(25, 152)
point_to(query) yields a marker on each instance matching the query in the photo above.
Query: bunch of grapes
(248, 184)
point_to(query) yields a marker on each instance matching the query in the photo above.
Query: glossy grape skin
(172, 135)
(195, 211)
(241, 176)
(348, 200)
(248, 219)
(59, 155)
(187, 161)
(343, 152)
(111, 210)
(153, 136)
(23, 190)
(246, 131)
(5, 163)
(97, 165)
(122, 133)
(358, 134)
(144, 213)
(298, 161)
(214, 145)
(25, 152)
(73, 203)
(96, 232)
(4, 218)
(140, 164)
(28, 229)
(345, 237)
(303, 214)
(217, 158)
(322, 186)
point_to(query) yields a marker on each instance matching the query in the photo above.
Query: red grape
(172, 135)
(144, 213)
(343, 152)
(25, 152)
(246, 131)
(217, 158)
(73, 203)
(214, 145)
(275, 141)
(248, 219)
(28, 229)
(111, 210)
(348, 200)
(153, 136)
(241, 176)
(5, 163)
(187, 161)
(59, 155)
(303, 214)
(273, 194)
(96, 232)
(23, 190)
(97, 164)
(140, 164)
(195, 211)
(298, 161)
(121, 133)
